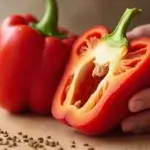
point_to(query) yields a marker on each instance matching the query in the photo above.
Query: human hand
(140, 105)
(139, 31)
(140, 102)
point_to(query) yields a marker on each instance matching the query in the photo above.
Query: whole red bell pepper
(103, 72)
(33, 56)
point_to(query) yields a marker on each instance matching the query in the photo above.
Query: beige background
(79, 15)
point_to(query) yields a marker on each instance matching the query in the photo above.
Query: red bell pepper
(32, 60)
(30, 18)
(103, 72)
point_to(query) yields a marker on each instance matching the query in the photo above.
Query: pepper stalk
(113, 47)
(48, 26)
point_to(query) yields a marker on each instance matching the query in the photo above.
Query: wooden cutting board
(55, 135)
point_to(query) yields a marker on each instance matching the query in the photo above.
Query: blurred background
(80, 15)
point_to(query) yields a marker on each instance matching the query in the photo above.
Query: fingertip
(129, 36)
(127, 126)
(140, 101)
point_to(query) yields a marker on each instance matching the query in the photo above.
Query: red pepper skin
(31, 66)
(110, 105)
(30, 18)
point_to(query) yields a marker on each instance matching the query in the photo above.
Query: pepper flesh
(99, 80)
(31, 64)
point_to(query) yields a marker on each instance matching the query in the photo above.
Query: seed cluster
(8, 141)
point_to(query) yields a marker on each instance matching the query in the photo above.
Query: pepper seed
(85, 144)
(41, 140)
(52, 144)
(30, 138)
(91, 148)
(57, 143)
(2, 132)
(49, 137)
(41, 146)
(8, 138)
(47, 143)
(26, 140)
(60, 148)
(25, 136)
(73, 146)
(19, 133)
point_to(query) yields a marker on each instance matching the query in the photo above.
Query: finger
(140, 101)
(139, 123)
(140, 31)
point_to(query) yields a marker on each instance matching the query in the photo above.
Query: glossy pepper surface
(33, 56)
(103, 72)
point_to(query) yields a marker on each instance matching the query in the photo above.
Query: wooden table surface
(43, 126)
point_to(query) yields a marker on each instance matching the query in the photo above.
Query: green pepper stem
(117, 37)
(48, 26)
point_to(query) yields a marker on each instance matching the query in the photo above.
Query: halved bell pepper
(33, 56)
(103, 72)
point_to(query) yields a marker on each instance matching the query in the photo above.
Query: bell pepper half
(103, 72)
(33, 55)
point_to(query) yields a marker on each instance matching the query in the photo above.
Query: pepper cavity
(83, 86)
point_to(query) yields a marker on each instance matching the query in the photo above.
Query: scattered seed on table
(49, 137)
(30, 138)
(6, 135)
(57, 143)
(10, 146)
(91, 148)
(47, 143)
(36, 146)
(14, 138)
(73, 146)
(9, 138)
(40, 139)
(26, 140)
(60, 148)
(19, 133)
(5, 132)
(19, 141)
(41, 146)
(2, 132)
(73, 142)
(1, 139)
(85, 144)
(25, 136)
(14, 144)
(53, 144)
(6, 143)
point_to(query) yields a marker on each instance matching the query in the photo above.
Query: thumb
(140, 101)
(140, 31)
